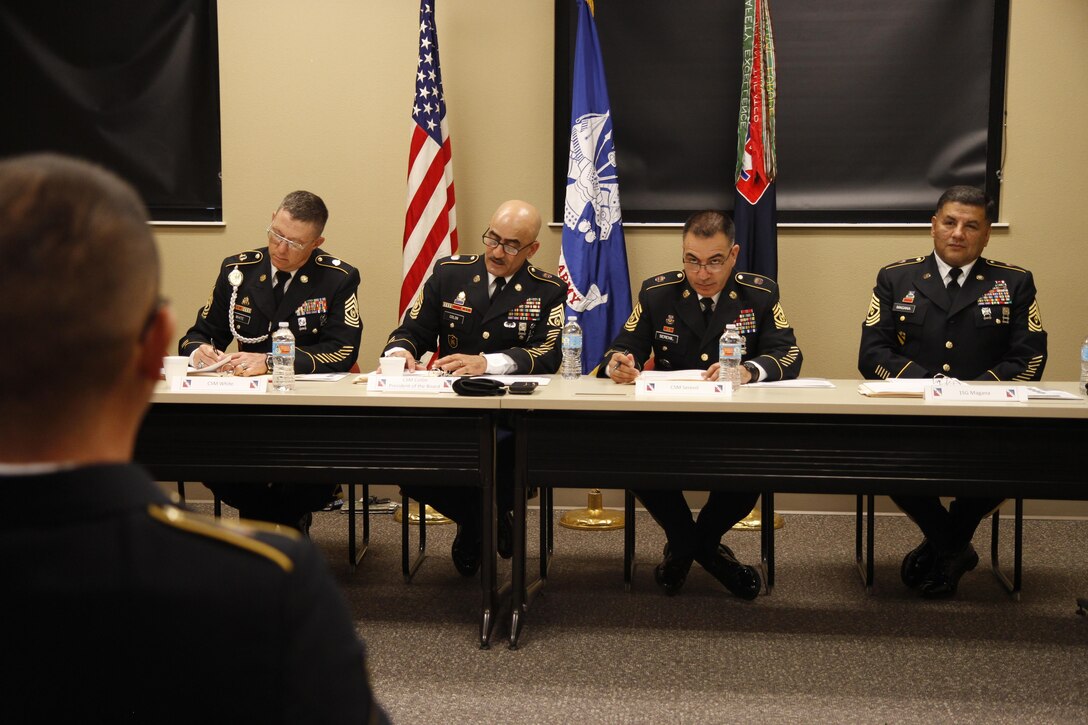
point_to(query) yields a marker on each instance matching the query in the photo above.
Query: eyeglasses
(491, 242)
(694, 265)
(274, 238)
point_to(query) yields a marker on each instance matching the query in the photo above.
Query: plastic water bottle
(571, 367)
(1084, 362)
(283, 359)
(730, 347)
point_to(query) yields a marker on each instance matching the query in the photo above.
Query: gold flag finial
(592, 10)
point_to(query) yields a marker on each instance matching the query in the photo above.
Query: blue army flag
(593, 259)
(755, 208)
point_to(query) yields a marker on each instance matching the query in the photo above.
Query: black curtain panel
(130, 84)
(881, 106)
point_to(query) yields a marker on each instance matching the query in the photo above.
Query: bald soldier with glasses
(678, 319)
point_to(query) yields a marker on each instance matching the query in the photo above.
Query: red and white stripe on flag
(430, 222)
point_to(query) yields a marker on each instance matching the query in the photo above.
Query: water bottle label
(1084, 353)
(572, 340)
(284, 347)
(729, 351)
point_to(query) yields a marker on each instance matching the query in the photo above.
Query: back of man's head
(79, 282)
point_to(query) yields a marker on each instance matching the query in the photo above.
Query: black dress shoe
(945, 576)
(505, 539)
(304, 523)
(743, 581)
(671, 573)
(465, 553)
(917, 564)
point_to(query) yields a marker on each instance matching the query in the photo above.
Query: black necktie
(500, 282)
(280, 285)
(953, 283)
(708, 308)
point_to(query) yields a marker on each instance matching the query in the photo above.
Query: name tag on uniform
(667, 337)
(900, 307)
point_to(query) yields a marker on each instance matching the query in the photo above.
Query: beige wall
(316, 95)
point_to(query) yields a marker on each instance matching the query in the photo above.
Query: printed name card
(975, 394)
(408, 384)
(706, 389)
(216, 384)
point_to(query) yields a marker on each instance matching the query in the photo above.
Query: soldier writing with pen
(677, 320)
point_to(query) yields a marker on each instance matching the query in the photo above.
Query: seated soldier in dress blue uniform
(678, 319)
(957, 314)
(495, 314)
(291, 281)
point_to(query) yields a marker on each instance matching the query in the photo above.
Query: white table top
(599, 394)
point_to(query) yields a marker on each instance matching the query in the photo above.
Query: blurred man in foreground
(114, 597)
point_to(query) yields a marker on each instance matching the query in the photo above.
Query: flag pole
(593, 257)
(756, 169)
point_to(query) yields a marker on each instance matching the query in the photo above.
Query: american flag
(430, 224)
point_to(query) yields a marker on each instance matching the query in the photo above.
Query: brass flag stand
(753, 521)
(593, 517)
(433, 517)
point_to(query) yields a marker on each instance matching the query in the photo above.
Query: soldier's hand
(410, 363)
(621, 368)
(712, 374)
(206, 355)
(247, 364)
(459, 364)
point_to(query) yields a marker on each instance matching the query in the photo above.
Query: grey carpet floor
(818, 649)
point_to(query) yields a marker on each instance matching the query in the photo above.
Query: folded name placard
(408, 384)
(229, 384)
(963, 393)
(707, 389)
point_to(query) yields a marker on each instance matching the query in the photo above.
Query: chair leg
(628, 538)
(181, 492)
(547, 542)
(409, 569)
(864, 561)
(356, 555)
(1013, 586)
(766, 540)
(217, 507)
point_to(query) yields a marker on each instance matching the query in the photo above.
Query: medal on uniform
(452, 339)
(517, 287)
(235, 277)
(476, 278)
(460, 299)
(304, 279)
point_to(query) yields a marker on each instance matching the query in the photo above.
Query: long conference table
(592, 433)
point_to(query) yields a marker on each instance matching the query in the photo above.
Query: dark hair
(79, 278)
(969, 196)
(707, 223)
(305, 206)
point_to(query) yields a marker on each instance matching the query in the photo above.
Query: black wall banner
(881, 106)
(130, 84)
